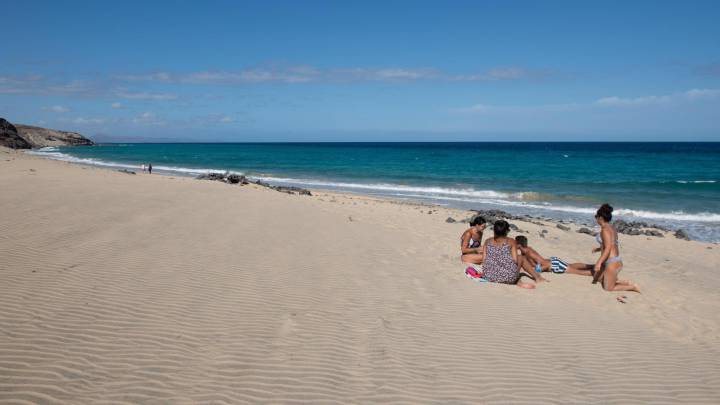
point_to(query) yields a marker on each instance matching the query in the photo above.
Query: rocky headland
(29, 137)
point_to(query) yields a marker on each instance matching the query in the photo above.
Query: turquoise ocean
(676, 185)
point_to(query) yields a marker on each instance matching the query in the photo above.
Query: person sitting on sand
(553, 264)
(501, 262)
(609, 263)
(471, 240)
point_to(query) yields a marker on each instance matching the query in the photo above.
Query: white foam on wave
(695, 181)
(466, 195)
(427, 191)
(52, 153)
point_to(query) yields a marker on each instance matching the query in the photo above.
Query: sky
(364, 70)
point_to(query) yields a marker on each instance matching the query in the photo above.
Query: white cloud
(690, 95)
(637, 101)
(477, 108)
(305, 74)
(116, 105)
(699, 94)
(57, 109)
(507, 73)
(87, 121)
(148, 118)
(146, 96)
(514, 109)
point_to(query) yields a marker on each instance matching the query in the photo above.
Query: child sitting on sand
(553, 264)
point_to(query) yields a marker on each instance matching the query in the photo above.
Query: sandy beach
(120, 288)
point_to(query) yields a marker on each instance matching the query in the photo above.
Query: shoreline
(637, 227)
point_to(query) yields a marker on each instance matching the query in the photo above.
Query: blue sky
(354, 71)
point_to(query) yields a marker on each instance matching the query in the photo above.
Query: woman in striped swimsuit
(501, 262)
(609, 263)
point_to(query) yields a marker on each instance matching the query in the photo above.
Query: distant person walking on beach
(143, 167)
(471, 241)
(149, 168)
(501, 262)
(609, 263)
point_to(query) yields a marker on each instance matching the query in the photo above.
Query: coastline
(141, 288)
(646, 218)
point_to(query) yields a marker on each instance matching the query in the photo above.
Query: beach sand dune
(149, 289)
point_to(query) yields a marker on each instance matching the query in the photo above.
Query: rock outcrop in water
(10, 138)
(26, 137)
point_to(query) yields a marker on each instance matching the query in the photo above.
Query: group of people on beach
(147, 168)
(506, 260)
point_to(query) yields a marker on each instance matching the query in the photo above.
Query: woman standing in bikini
(471, 240)
(609, 263)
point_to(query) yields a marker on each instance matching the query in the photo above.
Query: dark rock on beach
(212, 176)
(493, 215)
(126, 171)
(242, 180)
(680, 234)
(10, 138)
(652, 232)
(562, 227)
(290, 190)
(639, 228)
(236, 178)
(450, 220)
(587, 231)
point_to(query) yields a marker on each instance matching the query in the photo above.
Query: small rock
(126, 171)
(680, 234)
(544, 231)
(633, 232)
(450, 220)
(563, 227)
(236, 178)
(211, 176)
(652, 232)
(587, 231)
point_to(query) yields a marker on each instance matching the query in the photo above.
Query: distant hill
(25, 136)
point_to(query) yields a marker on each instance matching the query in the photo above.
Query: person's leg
(546, 265)
(581, 269)
(474, 258)
(610, 281)
(524, 264)
(522, 284)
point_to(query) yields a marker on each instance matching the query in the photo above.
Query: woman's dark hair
(477, 220)
(605, 212)
(521, 240)
(501, 228)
